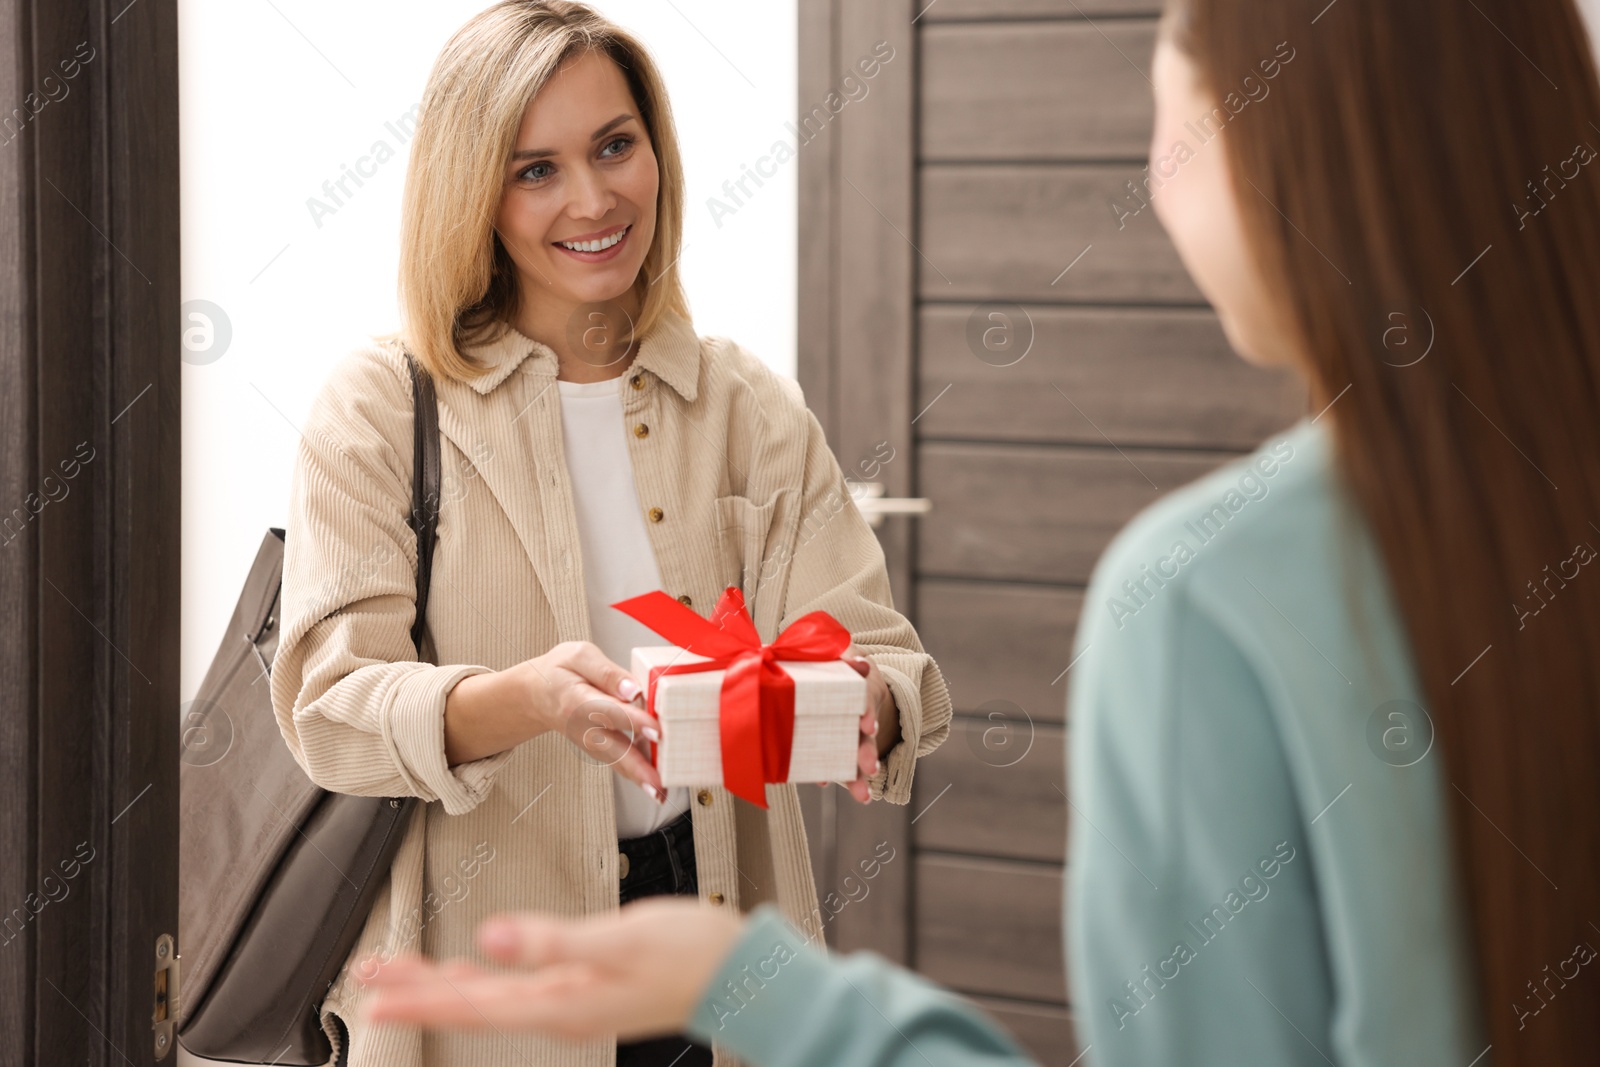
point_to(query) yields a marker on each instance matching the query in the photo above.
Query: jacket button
(704, 797)
(622, 866)
(686, 601)
(641, 430)
(716, 898)
(656, 514)
(637, 381)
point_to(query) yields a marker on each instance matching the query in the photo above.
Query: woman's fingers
(598, 715)
(634, 973)
(867, 753)
(869, 725)
(622, 754)
(597, 709)
(867, 757)
(460, 994)
(399, 970)
(460, 970)
(611, 734)
(867, 761)
(548, 1002)
(532, 940)
(635, 766)
(586, 659)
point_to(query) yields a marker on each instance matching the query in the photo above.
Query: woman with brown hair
(595, 448)
(1334, 756)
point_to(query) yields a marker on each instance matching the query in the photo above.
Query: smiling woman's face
(582, 172)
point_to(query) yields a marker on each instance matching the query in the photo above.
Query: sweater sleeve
(360, 712)
(838, 567)
(778, 1002)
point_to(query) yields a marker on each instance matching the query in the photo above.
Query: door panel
(1000, 641)
(856, 320)
(990, 926)
(1001, 91)
(1151, 376)
(1028, 513)
(1014, 232)
(90, 289)
(998, 784)
(951, 10)
(981, 287)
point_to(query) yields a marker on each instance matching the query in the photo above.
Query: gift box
(829, 698)
(742, 713)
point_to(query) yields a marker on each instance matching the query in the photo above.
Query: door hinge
(163, 1020)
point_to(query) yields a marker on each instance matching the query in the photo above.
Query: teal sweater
(1259, 869)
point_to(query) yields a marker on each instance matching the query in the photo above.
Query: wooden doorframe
(856, 327)
(90, 510)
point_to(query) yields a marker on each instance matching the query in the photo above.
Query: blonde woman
(594, 448)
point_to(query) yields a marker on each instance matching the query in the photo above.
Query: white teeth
(597, 246)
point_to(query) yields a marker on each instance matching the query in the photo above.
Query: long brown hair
(1425, 166)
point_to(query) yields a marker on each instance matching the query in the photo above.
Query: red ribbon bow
(757, 702)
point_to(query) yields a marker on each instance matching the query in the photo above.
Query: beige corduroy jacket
(740, 488)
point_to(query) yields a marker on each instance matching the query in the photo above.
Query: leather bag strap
(425, 477)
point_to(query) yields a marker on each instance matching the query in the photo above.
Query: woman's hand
(637, 972)
(582, 695)
(880, 724)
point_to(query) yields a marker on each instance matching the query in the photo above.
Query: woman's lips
(598, 257)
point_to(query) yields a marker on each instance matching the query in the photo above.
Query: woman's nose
(591, 195)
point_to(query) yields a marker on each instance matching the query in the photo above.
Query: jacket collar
(671, 352)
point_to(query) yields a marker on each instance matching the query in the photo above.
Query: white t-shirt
(618, 561)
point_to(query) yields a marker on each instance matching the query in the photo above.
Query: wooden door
(89, 530)
(980, 289)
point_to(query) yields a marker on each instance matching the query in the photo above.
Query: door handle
(874, 505)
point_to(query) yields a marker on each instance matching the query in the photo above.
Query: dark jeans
(661, 864)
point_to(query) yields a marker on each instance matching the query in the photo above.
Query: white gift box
(829, 699)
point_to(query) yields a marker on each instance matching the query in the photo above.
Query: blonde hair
(458, 285)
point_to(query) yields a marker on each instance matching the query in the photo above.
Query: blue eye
(528, 173)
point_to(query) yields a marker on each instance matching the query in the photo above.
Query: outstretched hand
(635, 973)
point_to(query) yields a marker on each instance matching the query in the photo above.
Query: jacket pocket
(742, 531)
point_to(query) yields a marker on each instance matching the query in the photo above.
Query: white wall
(279, 95)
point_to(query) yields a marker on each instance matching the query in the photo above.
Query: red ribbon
(757, 701)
